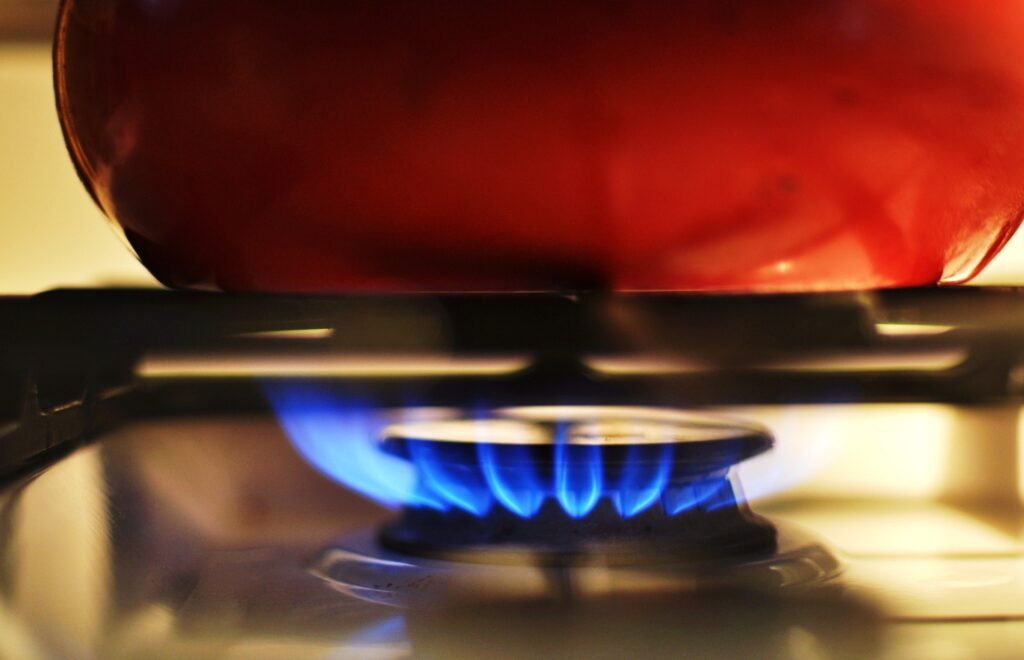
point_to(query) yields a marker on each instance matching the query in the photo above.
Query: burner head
(571, 484)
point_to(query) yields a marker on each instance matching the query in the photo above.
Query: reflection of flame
(342, 440)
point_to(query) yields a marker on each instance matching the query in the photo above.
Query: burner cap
(704, 444)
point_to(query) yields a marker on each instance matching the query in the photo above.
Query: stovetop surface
(197, 537)
(152, 506)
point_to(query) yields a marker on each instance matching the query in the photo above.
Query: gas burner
(571, 502)
(557, 485)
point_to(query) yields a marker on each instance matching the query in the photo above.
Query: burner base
(362, 567)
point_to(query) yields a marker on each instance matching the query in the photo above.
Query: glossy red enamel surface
(379, 145)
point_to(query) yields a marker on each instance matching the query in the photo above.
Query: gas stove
(593, 475)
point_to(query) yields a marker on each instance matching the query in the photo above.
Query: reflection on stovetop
(193, 537)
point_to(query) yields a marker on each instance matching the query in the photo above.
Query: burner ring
(572, 485)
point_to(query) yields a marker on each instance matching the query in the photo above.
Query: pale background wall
(51, 233)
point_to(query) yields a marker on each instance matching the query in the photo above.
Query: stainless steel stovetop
(156, 506)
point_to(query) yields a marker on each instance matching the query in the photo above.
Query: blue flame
(643, 482)
(453, 485)
(513, 480)
(341, 438)
(577, 475)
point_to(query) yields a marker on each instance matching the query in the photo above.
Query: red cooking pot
(380, 145)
